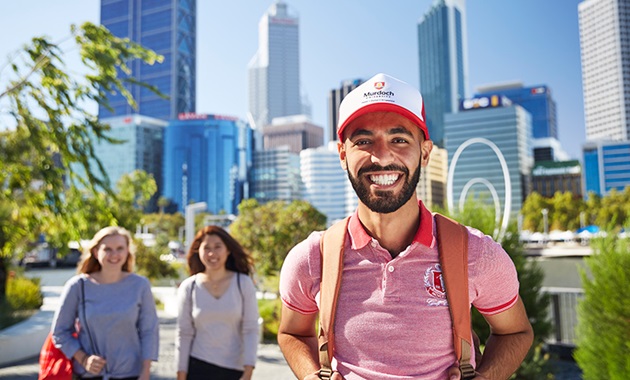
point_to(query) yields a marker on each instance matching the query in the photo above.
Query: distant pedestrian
(113, 311)
(217, 324)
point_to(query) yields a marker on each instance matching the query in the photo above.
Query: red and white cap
(383, 93)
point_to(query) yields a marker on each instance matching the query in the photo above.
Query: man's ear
(426, 147)
(341, 148)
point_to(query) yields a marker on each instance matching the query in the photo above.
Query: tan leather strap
(453, 247)
(332, 245)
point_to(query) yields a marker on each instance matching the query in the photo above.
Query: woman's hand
(94, 364)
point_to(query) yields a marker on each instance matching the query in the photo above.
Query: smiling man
(390, 322)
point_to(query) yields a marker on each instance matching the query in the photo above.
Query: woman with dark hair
(118, 329)
(217, 323)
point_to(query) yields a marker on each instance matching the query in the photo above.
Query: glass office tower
(443, 61)
(474, 133)
(274, 71)
(206, 159)
(606, 166)
(168, 27)
(536, 100)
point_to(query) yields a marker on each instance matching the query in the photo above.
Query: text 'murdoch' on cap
(383, 93)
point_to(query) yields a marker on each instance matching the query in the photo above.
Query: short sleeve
(492, 274)
(300, 276)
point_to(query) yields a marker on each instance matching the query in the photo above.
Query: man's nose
(381, 153)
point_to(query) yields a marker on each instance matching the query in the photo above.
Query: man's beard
(385, 201)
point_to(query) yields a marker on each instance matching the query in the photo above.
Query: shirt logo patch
(434, 285)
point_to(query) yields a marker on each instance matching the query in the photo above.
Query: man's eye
(399, 140)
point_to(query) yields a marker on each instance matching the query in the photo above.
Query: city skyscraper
(606, 166)
(325, 183)
(296, 132)
(168, 27)
(143, 140)
(206, 159)
(487, 144)
(537, 100)
(605, 49)
(335, 96)
(443, 62)
(274, 71)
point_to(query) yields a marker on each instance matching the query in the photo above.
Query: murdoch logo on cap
(379, 85)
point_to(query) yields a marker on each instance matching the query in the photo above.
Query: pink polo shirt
(392, 317)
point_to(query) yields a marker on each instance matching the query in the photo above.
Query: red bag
(53, 364)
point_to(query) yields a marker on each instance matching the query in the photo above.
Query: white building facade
(605, 49)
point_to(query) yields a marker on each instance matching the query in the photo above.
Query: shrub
(24, 293)
(269, 310)
(603, 347)
(23, 298)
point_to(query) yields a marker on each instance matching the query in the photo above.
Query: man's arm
(511, 336)
(298, 341)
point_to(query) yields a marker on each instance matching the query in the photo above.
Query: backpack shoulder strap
(331, 246)
(452, 240)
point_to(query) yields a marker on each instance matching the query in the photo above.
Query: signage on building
(557, 169)
(481, 102)
(538, 90)
(191, 116)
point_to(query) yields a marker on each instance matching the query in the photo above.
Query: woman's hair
(89, 261)
(238, 260)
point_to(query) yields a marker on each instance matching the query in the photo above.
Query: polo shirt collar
(424, 235)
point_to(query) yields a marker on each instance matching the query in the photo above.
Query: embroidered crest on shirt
(434, 284)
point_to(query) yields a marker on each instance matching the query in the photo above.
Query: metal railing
(563, 314)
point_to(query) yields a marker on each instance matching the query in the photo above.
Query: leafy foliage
(530, 276)
(49, 130)
(149, 264)
(269, 231)
(603, 349)
(566, 211)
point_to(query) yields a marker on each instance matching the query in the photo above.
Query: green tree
(531, 211)
(565, 213)
(50, 130)
(530, 277)
(270, 230)
(603, 345)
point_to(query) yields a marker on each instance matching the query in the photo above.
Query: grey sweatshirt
(121, 321)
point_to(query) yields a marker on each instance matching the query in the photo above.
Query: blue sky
(532, 41)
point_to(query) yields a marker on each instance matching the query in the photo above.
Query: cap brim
(384, 107)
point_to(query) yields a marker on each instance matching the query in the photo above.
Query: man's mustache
(376, 168)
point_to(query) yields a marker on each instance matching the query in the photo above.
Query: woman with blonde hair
(113, 311)
(217, 324)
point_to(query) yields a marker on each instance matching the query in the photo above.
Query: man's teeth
(384, 179)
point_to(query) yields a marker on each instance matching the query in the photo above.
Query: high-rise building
(275, 175)
(206, 159)
(141, 149)
(325, 182)
(487, 145)
(274, 71)
(431, 188)
(443, 61)
(296, 132)
(549, 177)
(167, 27)
(335, 96)
(606, 166)
(536, 100)
(605, 49)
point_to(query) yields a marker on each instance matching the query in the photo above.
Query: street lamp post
(190, 212)
(545, 224)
